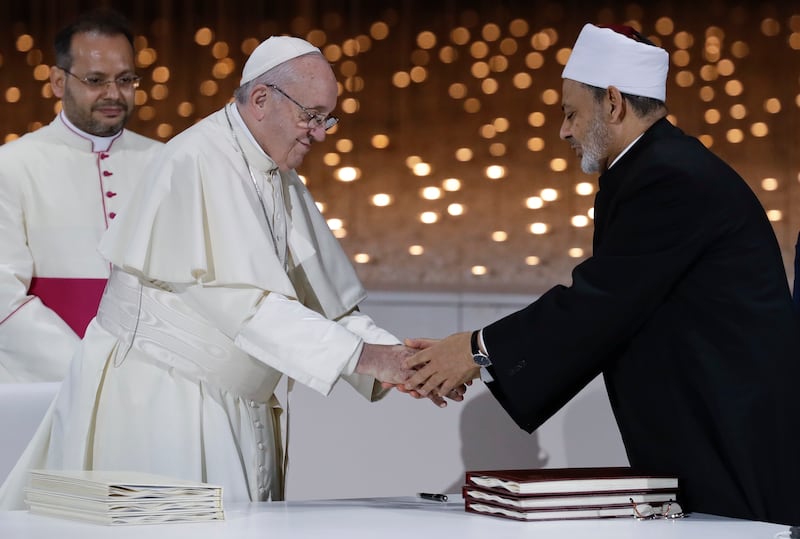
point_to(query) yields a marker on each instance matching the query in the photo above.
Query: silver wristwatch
(480, 359)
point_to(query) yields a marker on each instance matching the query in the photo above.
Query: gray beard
(595, 147)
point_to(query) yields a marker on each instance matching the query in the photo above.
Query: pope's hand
(385, 362)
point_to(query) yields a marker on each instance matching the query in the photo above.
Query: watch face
(481, 360)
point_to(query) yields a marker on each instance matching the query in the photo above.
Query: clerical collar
(99, 144)
(234, 110)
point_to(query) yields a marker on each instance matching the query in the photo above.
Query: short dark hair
(104, 21)
(642, 106)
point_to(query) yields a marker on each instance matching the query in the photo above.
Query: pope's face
(98, 111)
(286, 136)
(584, 127)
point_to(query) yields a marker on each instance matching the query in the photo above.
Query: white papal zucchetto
(603, 57)
(274, 51)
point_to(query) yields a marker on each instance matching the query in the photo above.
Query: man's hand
(456, 394)
(441, 366)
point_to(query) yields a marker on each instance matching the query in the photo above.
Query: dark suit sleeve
(545, 353)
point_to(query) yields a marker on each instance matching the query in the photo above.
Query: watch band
(473, 340)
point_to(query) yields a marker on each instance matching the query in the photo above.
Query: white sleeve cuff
(363, 326)
(299, 342)
(482, 344)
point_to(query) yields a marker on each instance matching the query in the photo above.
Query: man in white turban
(684, 305)
(225, 278)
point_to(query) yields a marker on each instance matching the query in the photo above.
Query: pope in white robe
(226, 278)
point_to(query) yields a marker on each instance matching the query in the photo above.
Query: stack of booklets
(564, 493)
(112, 497)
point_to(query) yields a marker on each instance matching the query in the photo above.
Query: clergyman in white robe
(60, 187)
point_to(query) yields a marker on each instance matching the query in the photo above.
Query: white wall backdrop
(341, 446)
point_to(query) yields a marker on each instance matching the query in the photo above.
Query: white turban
(272, 52)
(603, 57)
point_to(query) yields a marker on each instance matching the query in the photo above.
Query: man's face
(284, 134)
(584, 127)
(98, 111)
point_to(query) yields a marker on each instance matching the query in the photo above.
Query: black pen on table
(433, 497)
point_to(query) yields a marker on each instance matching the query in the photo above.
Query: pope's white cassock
(209, 304)
(59, 190)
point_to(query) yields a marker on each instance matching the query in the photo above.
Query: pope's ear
(258, 95)
(257, 101)
(57, 81)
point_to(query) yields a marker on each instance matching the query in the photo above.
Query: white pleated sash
(158, 324)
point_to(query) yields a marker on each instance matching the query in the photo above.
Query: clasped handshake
(436, 369)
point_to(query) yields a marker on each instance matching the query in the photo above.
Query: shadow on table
(490, 440)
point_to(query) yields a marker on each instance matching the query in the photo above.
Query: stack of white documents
(115, 497)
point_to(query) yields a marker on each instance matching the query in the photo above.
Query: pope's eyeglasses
(125, 82)
(314, 119)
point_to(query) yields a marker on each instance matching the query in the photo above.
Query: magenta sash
(74, 300)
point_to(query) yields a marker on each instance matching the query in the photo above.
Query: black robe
(796, 289)
(685, 309)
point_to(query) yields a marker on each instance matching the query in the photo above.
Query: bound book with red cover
(570, 480)
(565, 493)
(532, 502)
(572, 513)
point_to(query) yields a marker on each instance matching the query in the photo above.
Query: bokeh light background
(446, 171)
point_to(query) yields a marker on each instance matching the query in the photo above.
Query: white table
(383, 518)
